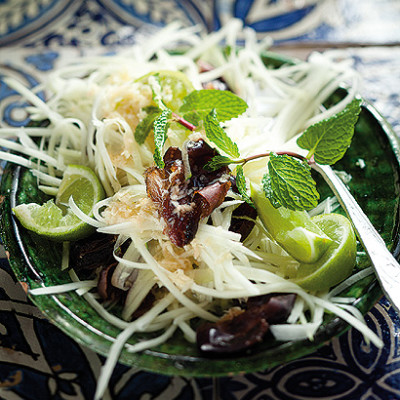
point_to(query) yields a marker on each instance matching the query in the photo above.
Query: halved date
(183, 202)
(245, 329)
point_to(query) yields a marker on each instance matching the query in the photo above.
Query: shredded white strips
(32, 132)
(351, 320)
(112, 319)
(351, 280)
(45, 178)
(35, 100)
(81, 215)
(65, 256)
(169, 284)
(94, 107)
(117, 346)
(296, 332)
(62, 288)
(28, 151)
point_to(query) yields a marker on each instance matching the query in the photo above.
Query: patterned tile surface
(113, 22)
(37, 36)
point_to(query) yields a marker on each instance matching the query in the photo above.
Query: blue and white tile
(114, 22)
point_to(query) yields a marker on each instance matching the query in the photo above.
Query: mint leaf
(241, 185)
(146, 124)
(290, 184)
(156, 90)
(151, 109)
(194, 118)
(218, 162)
(217, 135)
(160, 136)
(268, 191)
(329, 139)
(201, 102)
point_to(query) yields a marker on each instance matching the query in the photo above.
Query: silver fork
(386, 267)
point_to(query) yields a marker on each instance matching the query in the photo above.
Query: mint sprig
(217, 135)
(160, 136)
(146, 124)
(197, 104)
(218, 162)
(329, 139)
(289, 183)
(241, 185)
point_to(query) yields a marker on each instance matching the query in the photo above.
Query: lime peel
(294, 231)
(338, 261)
(304, 244)
(174, 86)
(54, 220)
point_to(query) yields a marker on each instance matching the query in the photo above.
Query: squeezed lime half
(55, 220)
(175, 86)
(337, 263)
(295, 231)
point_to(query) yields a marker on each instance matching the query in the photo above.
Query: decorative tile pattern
(114, 22)
(20, 19)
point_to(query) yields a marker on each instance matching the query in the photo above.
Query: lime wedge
(54, 220)
(305, 245)
(337, 262)
(175, 85)
(293, 230)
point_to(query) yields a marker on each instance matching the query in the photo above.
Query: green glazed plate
(36, 262)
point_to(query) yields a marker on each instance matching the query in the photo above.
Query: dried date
(244, 330)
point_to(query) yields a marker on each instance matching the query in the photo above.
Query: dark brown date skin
(95, 255)
(91, 253)
(242, 331)
(243, 226)
(182, 202)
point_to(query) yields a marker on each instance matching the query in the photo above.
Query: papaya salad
(180, 177)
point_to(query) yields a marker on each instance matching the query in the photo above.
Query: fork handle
(385, 265)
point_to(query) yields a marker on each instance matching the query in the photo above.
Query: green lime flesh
(293, 230)
(54, 220)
